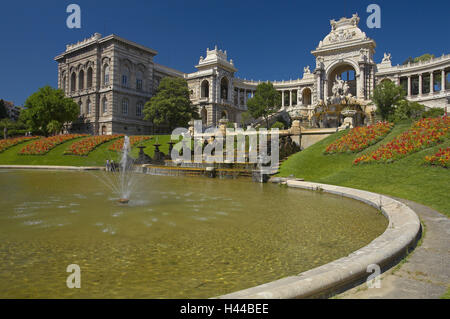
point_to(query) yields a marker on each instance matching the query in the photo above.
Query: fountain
(125, 172)
(121, 178)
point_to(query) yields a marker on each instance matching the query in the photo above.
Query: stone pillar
(409, 85)
(282, 98)
(325, 90)
(296, 132)
(360, 83)
(420, 84)
(239, 97)
(443, 81)
(431, 82)
(290, 97)
(245, 97)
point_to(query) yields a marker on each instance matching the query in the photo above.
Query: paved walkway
(425, 274)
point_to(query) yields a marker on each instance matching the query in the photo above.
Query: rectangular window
(139, 109)
(125, 107)
(139, 84)
(124, 80)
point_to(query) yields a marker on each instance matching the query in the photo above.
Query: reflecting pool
(177, 238)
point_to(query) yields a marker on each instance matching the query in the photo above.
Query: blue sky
(268, 40)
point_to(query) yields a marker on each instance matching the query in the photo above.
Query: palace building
(111, 79)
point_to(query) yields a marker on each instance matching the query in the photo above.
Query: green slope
(56, 157)
(407, 178)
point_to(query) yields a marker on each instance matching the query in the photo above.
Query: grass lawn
(407, 178)
(95, 158)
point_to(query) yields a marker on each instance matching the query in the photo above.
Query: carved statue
(306, 70)
(387, 58)
(345, 89)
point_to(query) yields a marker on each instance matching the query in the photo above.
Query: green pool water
(177, 238)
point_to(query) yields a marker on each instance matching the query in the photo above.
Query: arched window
(88, 107)
(81, 80)
(224, 88)
(306, 96)
(125, 106)
(106, 75)
(139, 80)
(125, 76)
(63, 84)
(139, 107)
(224, 115)
(89, 78)
(205, 89)
(73, 82)
(104, 105)
(204, 116)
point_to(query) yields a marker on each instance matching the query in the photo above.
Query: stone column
(360, 83)
(431, 82)
(443, 81)
(325, 90)
(290, 97)
(245, 97)
(239, 97)
(282, 98)
(409, 85)
(420, 84)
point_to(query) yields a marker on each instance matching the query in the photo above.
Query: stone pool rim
(402, 233)
(400, 236)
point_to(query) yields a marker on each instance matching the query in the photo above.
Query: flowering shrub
(44, 145)
(423, 134)
(10, 142)
(441, 158)
(118, 145)
(87, 145)
(360, 138)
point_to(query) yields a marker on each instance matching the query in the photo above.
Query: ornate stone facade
(112, 78)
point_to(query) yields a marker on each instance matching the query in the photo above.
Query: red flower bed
(10, 142)
(360, 138)
(118, 145)
(44, 145)
(441, 158)
(423, 134)
(85, 146)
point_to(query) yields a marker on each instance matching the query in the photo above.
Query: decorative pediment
(344, 30)
(216, 57)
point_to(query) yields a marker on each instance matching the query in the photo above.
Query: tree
(245, 118)
(3, 112)
(406, 110)
(423, 58)
(54, 127)
(171, 105)
(265, 102)
(385, 96)
(5, 125)
(45, 106)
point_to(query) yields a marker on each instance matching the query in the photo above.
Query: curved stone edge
(402, 233)
(68, 168)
